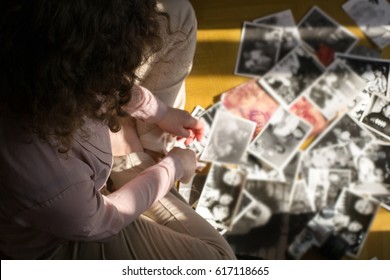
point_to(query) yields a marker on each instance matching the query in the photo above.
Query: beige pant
(170, 229)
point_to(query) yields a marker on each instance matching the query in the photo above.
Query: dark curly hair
(64, 60)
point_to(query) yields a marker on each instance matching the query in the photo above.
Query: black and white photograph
(345, 131)
(332, 157)
(228, 139)
(375, 72)
(327, 184)
(292, 75)
(336, 89)
(361, 212)
(373, 18)
(192, 190)
(259, 170)
(207, 118)
(373, 170)
(220, 196)
(286, 21)
(302, 201)
(324, 35)
(280, 139)
(259, 49)
(262, 220)
(377, 116)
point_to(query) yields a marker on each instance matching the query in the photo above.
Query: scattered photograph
(373, 170)
(361, 212)
(373, 18)
(228, 139)
(284, 20)
(292, 75)
(324, 35)
(375, 72)
(336, 89)
(220, 195)
(192, 190)
(207, 118)
(256, 169)
(250, 101)
(305, 109)
(325, 185)
(261, 222)
(345, 131)
(259, 49)
(278, 142)
(377, 116)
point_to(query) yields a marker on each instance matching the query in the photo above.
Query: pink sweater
(47, 198)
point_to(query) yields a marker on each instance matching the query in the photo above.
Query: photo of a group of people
(306, 139)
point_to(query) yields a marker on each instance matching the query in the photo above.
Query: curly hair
(64, 60)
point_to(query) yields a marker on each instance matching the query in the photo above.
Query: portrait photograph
(284, 20)
(258, 50)
(228, 139)
(220, 195)
(280, 139)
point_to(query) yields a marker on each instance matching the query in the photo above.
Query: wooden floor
(219, 29)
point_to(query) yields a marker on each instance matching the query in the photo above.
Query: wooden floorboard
(219, 30)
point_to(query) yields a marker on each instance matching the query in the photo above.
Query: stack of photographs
(298, 156)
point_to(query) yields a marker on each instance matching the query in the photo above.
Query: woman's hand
(180, 123)
(188, 162)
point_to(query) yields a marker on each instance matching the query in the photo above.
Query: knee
(182, 15)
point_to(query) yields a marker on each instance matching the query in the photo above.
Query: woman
(73, 94)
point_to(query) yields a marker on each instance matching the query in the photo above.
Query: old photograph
(259, 49)
(221, 193)
(377, 116)
(375, 72)
(261, 222)
(280, 139)
(336, 90)
(192, 190)
(345, 131)
(324, 35)
(228, 139)
(284, 20)
(373, 18)
(373, 166)
(250, 101)
(292, 75)
(361, 212)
